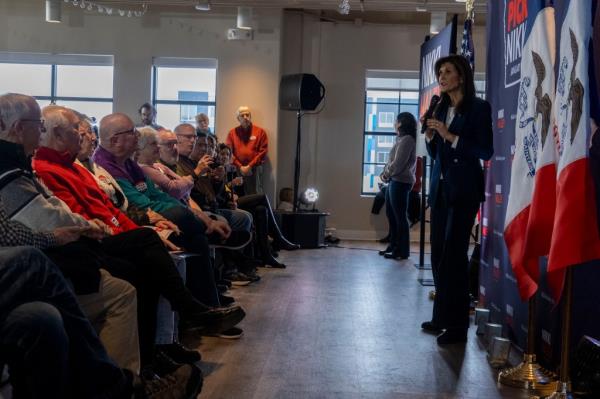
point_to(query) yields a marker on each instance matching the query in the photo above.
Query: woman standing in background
(400, 173)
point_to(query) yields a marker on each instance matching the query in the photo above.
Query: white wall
(340, 54)
(248, 72)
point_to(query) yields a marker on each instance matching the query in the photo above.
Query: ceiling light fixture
(344, 7)
(244, 18)
(203, 6)
(53, 11)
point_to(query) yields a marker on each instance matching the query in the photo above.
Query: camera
(215, 164)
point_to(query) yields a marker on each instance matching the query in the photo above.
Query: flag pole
(529, 375)
(563, 388)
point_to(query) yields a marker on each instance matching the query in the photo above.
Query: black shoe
(394, 255)
(236, 240)
(388, 249)
(286, 245)
(162, 364)
(179, 353)
(183, 383)
(225, 300)
(430, 327)
(452, 336)
(239, 279)
(274, 263)
(212, 321)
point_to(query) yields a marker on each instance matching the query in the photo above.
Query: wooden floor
(342, 323)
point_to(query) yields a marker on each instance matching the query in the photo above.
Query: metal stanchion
(529, 375)
(422, 266)
(563, 388)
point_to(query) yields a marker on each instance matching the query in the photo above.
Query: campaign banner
(509, 61)
(440, 45)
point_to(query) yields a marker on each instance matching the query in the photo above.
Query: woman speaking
(458, 137)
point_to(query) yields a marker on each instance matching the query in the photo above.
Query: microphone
(435, 99)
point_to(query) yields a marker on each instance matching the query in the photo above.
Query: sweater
(248, 148)
(401, 164)
(170, 182)
(78, 189)
(30, 205)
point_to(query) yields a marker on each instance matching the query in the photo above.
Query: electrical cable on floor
(365, 249)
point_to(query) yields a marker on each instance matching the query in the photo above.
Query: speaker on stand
(299, 92)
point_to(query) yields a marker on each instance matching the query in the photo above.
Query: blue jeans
(166, 319)
(50, 346)
(238, 219)
(396, 205)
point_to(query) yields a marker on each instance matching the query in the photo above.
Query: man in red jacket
(249, 145)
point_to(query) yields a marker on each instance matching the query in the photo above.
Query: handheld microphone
(435, 99)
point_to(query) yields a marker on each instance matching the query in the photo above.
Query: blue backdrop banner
(509, 23)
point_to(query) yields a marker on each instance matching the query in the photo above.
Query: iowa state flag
(530, 212)
(575, 238)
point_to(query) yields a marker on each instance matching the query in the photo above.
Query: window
(81, 82)
(388, 93)
(386, 120)
(183, 88)
(382, 156)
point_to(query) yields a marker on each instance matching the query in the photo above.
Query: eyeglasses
(187, 136)
(172, 143)
(40, 122)
(132, 131)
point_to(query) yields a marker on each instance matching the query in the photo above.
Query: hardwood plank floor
(342, 323)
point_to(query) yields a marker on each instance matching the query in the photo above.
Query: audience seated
(51, 348)
(260, 207)
(136, 255)
(209, 179)
(109, 303)
(70, 301)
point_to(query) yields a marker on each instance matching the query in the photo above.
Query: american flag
(467, 49)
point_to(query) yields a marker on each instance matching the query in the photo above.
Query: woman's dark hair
(465, 72)
(408, 124)
(223, 146)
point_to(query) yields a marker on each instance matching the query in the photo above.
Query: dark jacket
(461, 166)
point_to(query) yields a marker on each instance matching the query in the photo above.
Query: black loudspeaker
(300, 92)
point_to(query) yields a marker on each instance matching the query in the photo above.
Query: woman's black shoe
(431, 328)
(388, 249)
(272, 262)
(394, 255)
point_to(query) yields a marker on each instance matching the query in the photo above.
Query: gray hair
(55, 117)
(146, 133)
(12, 108)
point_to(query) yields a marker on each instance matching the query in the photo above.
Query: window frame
(399, 103)
(55, 60)
(200, 63)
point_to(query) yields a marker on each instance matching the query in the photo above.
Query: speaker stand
(299, 115)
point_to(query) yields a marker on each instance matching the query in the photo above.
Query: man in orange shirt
(249, 145)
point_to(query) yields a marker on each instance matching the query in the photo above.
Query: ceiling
(451, 6)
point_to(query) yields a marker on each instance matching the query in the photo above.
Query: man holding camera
(249, 145)
(196, 161)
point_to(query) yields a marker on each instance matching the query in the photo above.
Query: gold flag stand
(529, 375)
